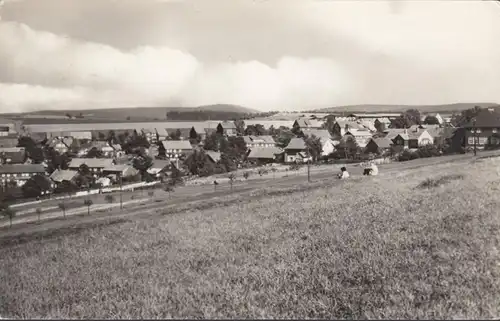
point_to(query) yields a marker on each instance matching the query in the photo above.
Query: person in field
(370, 169)
(343, 173)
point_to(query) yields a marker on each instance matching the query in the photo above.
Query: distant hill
(136, 113)
(447, 108)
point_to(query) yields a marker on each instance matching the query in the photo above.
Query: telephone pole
(121, 194)
(308, 164)
(474, 129)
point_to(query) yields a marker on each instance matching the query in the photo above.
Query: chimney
(346, 127)
(406, 132)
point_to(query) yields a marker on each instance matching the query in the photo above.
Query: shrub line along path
(27, 224)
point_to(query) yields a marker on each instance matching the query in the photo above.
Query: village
(38, 164)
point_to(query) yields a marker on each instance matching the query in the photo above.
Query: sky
(266, 55)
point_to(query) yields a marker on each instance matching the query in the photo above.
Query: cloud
(70, 71)
(299, 54)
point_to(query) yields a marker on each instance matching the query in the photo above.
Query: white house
(176, 148)
(326, 140)
(362, 137)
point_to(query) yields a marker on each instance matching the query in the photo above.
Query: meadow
(420, 243)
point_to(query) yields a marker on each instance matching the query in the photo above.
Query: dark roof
(486, 118)
(382, 142)
(21, 168)
(268, 153)
(296, 143)
(8, 141)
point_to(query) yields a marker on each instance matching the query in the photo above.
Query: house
(341, 127)
(412, 139)
(327, 144)
(160, 167)
(104, 147)
(378, 145)
(259, 141)
(264, 154)
(8, 141)
(212, 156)
(60, 144)
(227, 128)
(485, 129)
(95, 165)
(198, 129)
(296, 151)
(149, 133)
(161, 133)
(12, 155)
(122, 170)
(59, 176)
(19, 173)
(7, 127)
(305, 123)
(175, 149)
(83, 135)
(362, 137)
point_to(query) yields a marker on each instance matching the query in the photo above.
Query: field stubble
(378, 247)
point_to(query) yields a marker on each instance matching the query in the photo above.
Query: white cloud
(419, 52)
(152, 75)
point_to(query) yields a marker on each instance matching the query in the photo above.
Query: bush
(263, 171)
(407, 155)
(428, 151)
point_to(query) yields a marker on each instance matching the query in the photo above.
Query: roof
(91, 162)
(320, 133)
(63, 175)
(296, 143)
(403, 135)
(8, 141)
(259, 139)
(161, 163)
(382, 142)
(393, 132)
(377, 115)
(12, 149)
(358, 133)
(351, 124)
(162, 132)
(486, 118)
(268, 153)
(215, 156)
(121, 168)
(21, 168)
(82, 135)
(228, 125)
(308, 123)
(199, 128)
(177, 144)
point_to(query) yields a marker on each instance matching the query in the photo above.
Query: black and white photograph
(250, 159)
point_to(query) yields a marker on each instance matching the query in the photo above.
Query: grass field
(420, 243)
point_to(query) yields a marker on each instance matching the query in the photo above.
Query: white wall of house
(328, 148)
(425, 139)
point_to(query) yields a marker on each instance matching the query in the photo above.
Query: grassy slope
(370, 247)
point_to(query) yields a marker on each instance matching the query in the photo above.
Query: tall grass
(367, 248)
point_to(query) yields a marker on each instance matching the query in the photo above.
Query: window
(478, 130)
(494, 130)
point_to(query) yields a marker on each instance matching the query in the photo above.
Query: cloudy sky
(268, 55)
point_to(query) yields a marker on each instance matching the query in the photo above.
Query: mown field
(421, 243)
